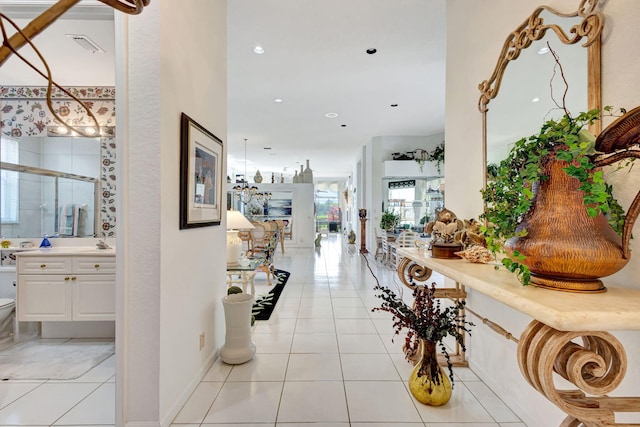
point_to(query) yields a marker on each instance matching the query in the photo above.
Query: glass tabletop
(253, 264)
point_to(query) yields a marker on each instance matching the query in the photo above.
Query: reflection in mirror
(524, 76)
(50, 185)
(414, 200)
(533, 90)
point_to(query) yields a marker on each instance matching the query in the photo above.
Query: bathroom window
(9, 187)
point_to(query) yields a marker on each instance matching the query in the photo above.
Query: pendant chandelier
(247, 194)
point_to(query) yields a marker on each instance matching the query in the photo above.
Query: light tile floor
(88, 400)
(325, 360)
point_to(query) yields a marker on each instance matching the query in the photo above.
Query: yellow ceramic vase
(428, 382)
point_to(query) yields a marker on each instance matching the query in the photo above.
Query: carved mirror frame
(534, 28)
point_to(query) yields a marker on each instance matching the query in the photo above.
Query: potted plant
(426, 324)
(389, 220)
(420, 156)
(437, 155)
(549, 209)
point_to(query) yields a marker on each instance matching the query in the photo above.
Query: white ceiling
(314, 60)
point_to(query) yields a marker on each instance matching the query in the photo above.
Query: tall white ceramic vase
(238, 346)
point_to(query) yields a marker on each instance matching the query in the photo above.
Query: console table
(596, 366)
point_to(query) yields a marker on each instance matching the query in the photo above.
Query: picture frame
(201, 165)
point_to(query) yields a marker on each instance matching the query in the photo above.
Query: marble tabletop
(616, 309)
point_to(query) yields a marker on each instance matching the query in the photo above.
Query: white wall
(171, 280)
(472, 50)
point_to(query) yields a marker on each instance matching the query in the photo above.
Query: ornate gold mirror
(533, 85)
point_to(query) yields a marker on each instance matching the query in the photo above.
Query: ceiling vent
(86, 43)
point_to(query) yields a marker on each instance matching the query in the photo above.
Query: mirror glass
(530, 85)
(50, 185)
(414, 200)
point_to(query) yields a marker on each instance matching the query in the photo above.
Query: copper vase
(565, 248)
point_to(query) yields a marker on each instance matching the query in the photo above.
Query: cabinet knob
(43, 265)
(73, 278)
(97, 266)
(66, 278)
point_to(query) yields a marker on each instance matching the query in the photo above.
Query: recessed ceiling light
(371, 51)
(331, 115)
(259, 50)
(394, 105)
(535, 100)
(543, 50)
(278, 100)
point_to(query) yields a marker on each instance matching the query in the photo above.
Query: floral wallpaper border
(39, 92)
(24, 111)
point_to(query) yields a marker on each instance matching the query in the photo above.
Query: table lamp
(235, 221)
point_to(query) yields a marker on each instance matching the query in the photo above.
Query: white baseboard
(173, 412)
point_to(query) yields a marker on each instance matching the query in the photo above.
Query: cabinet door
(43, 297)
(94, 297)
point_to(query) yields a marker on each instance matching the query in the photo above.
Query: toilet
(6, 308)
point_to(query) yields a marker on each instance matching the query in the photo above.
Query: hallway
(325, 360)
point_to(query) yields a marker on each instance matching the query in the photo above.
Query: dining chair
(245, 236)
(264, 243)
(281, 223)
(288, 229)
(406, 239)
(379, 251)
(384, 245)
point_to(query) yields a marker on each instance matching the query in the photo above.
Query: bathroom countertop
(67, 250)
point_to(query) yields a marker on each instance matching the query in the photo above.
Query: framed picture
(201, 183)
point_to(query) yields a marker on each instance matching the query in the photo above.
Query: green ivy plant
(437, 155)
(508, 194)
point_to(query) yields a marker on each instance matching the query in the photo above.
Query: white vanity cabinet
(65, 287)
